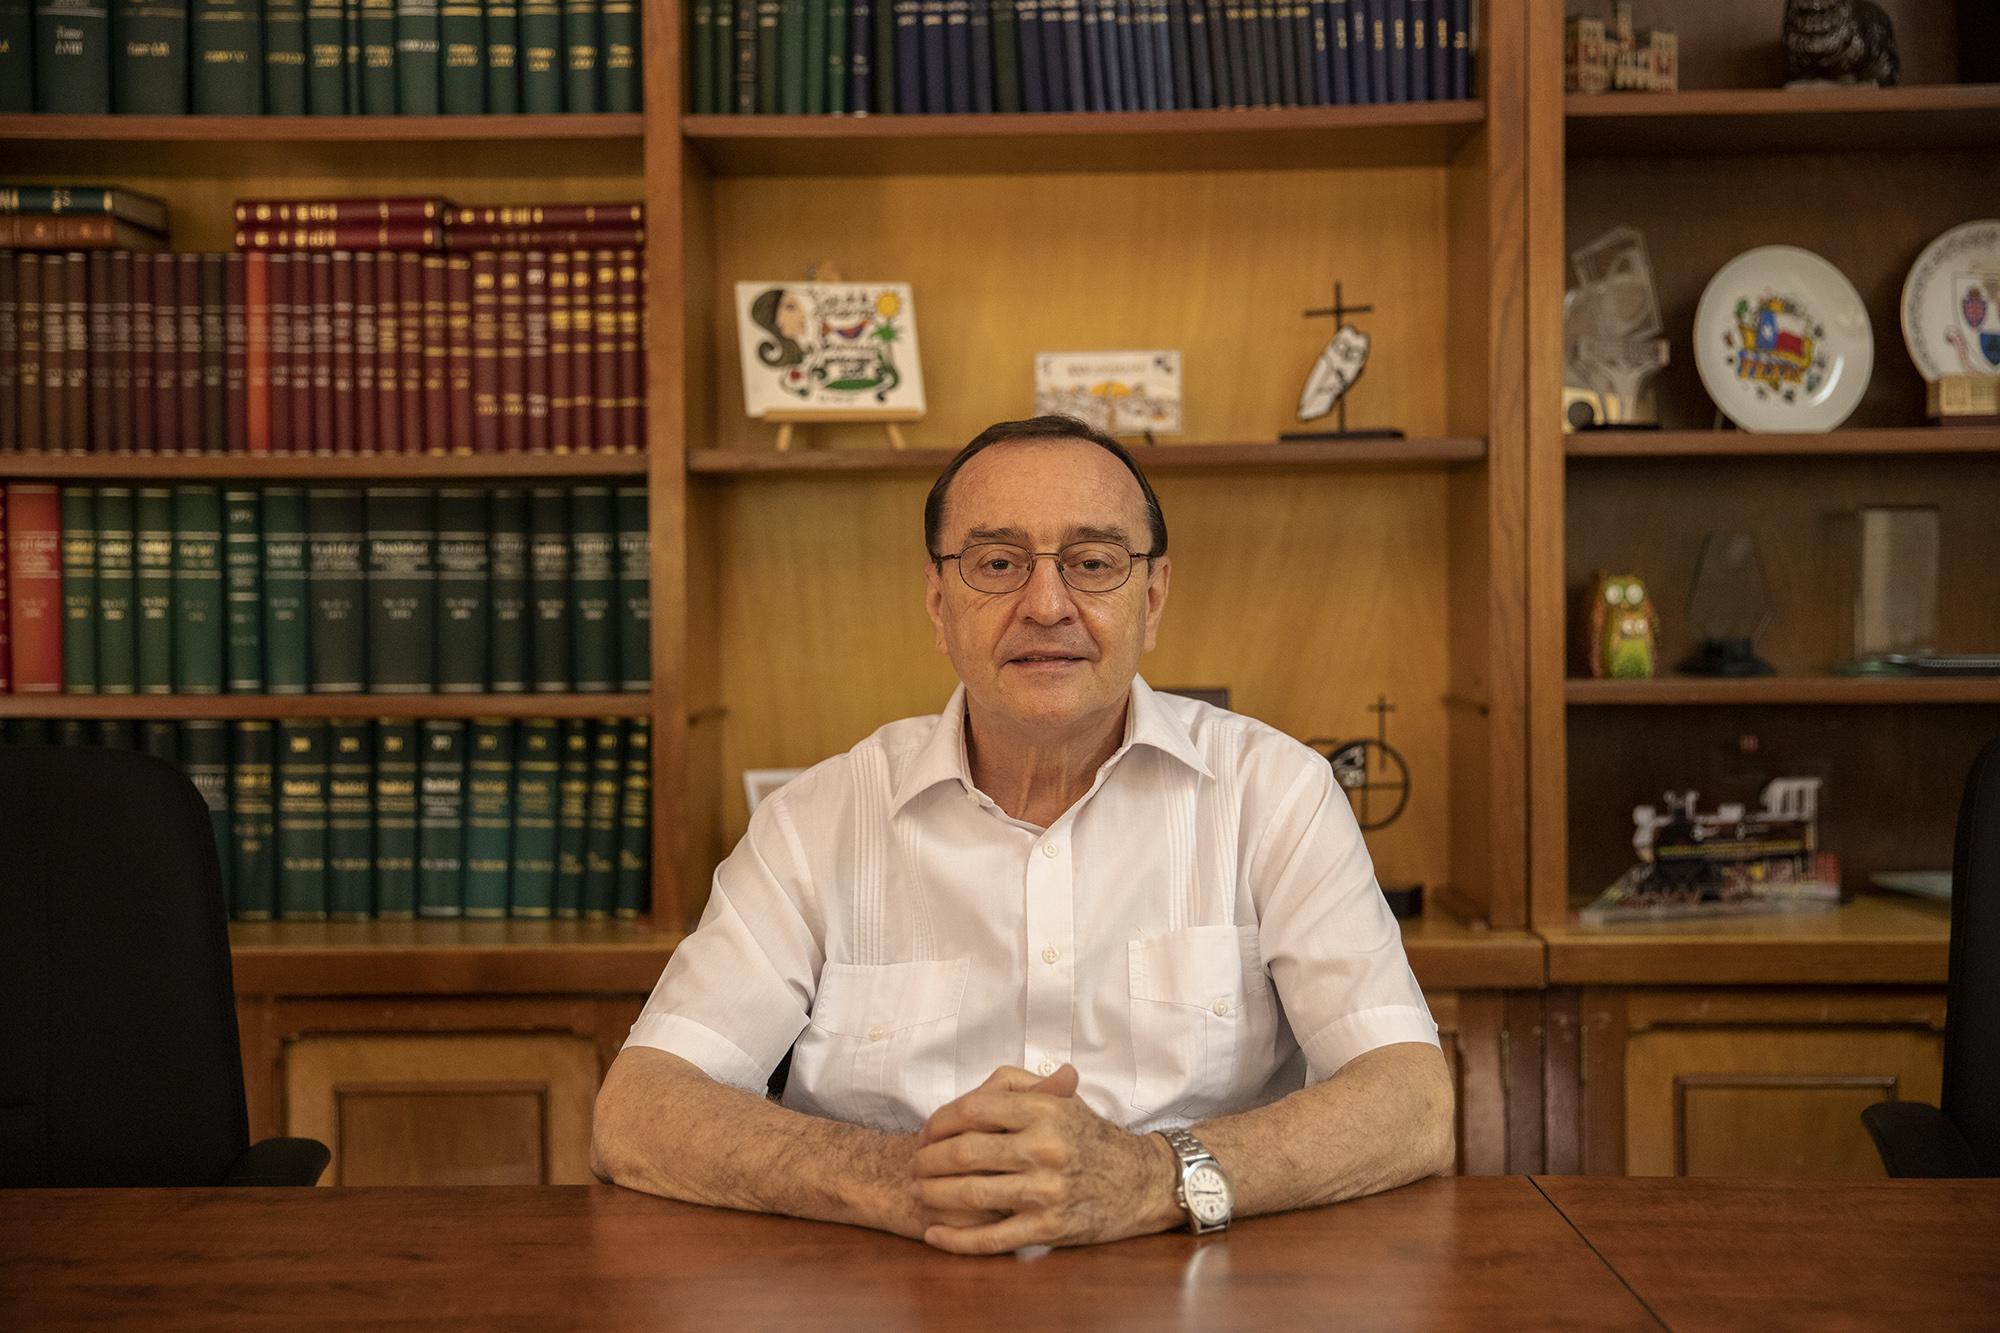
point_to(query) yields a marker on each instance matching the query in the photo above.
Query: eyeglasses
(1083, 566)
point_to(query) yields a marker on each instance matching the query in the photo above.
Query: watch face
(1208, 1195)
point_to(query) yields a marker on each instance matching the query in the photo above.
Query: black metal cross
(1381, 707)
(1340, 310)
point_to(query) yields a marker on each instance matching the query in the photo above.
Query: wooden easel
(890, 421)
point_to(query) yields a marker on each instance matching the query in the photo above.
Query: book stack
(320, 57)
(203, 589)
(854, 57)
(358, 820)
(61, 217)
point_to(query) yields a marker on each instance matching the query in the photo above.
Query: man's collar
(943, 758)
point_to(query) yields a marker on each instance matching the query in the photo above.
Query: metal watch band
(1192, 1154)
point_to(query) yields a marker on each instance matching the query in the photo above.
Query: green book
(74, 731)
(284, 57)
(461, 593)
(160, 738)
(253, 866)
(417, 57)
(507, 590)
(462, 35)
(581, 82)
(766, 60)
(541, 57)
(29, 731)
(402, 590)
(791, 57)
(149, 53)
(620, 32)
(350, 64)
(836, 57)
(1006, 57)
(600, 848)
(336, 634)
(350, 821)
(701, 78)
(154, 589)
(285, 590)
(489, 816)
(503, 53)
(199, 618)
(814, 40)
(72, 58)
(395, 819)
(116, 645)
(593, 591)
(572, 813)
(548, 589)
(243, 590)
(17, 43)
(204, 746)
(378, 57)
(79, 590)
(441, 819)
(326, 58)
(537, 761)
(302, 819)
(635, 591)
(228, 58)
(115, 734)
(635, 820)
(885, 59)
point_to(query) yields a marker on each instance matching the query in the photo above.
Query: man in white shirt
(1071, 962)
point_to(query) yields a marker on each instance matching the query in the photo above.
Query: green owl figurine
(1624, 629)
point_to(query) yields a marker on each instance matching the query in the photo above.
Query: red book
(346, 236)
(304, 440)
(539, 238)
(98, 310)
(188, 281)
(458, 352)
(280, 369)
(270, 213)
(214, 356)
(546, 215)
(535, 337)
(365, 334)
(321, 353)
(631, 352)
(6, 657)
(55, 353)
(34, 586)
(388, 403)
(166, 354)
(122, 407)
(28, 338)
(608, 428)
(145, 435)
(340, 377)
(561, 400)
(76, 381)
(513, 353)
(485, 352)
(257, 352)
(437, 348)
(74, 231)
(582, 353)
(236, 358)
(410, 383)
(10, 354)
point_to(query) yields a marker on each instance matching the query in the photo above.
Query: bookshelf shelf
(341, 467)
(234, 707)
(1763, 120)
(1780, 690)
(1243, 140)
(454, 956)
(317, 129)
(1166, 457)
(1746, 444)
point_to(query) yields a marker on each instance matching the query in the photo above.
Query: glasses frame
(1148, 556)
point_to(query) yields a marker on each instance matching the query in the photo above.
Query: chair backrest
(1972, 1005)
(119, 1062)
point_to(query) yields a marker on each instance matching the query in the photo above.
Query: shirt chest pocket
(1203, 1020)
(881, 1048)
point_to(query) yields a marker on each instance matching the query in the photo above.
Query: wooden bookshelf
(329, 467)
(1782, 691)
(1975, 440)
(1317, 454)
(1779, 120)
(244, 706)
(33, 128)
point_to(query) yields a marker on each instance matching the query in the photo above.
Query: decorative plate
(1951, 303)
(1782, 341)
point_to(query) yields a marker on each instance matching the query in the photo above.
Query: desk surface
(1476, 1252)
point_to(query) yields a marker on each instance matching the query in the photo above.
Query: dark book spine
(582, 353)
(635, 597)
(1055, 56)
(791, 57)
(535, 352)
(1178, 51)
(117, 645)
(228, 58)
(1397, 31)
(572, 817)
(1359, 67)
(350, 831)
(17, 44)
(1118, 95)
(79, 590)
(462, 33)
(192, 430)
(340, 327)
(742, 93)
(119, 734)
(76, 374)
(236, 353)
(402, 590)
(600, 853)
(28, 373)
(631, 352)
(378, 58)
(304, 438)
(1096, 76)
(1420, 51)
(503, 48)
(97, 310)
(387, 406)
(204, 757)
(1336, 52)
(561, 401)
(909, 54)
(285, 590)
(253, 867)
(1440, 61)
(336, 637)
(1305, 54)
(436, 351)
(1136, 49)
(34, 604)
(485, 351)
(461, 591)
(1378, 51)
(350, 31)
(1201, 63)
(549, 589)
(1264, 22)
(326, 58)
(213, 402)
(507, 590)
(531, 888)
(417, 47)
(278, 365)
(512, 352)
(257, 353)
(621, 36)
(1287, 47)
(1461, 49)
(1007, 56)
(635, 818)
(489, 815)
(199, 616)
(582, 78)
(10, 353)
(149, 56)
(1163, 55)
(593, 590)
(459, 353)
(541, 57)
(720, 61)
(153, 590)
(811, 15)
(55, 354)
(412, 358)
(606, 370)
(395, 783)
(1222, 47)
(367, 330)
(284, 57)
(836, 57)
(321, 353)
(302, 763)
(157, 737)
(441, 819)
(243, 590)
(701, 60)
(957, 72)
(884, 72)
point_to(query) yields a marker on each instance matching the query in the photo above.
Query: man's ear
(934, 603)
(1156, 598)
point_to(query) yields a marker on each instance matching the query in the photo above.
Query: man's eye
(997, 564)
(1090, 565)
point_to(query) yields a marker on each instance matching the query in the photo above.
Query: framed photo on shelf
(761, 782)
(844, 349)
(1123, 393)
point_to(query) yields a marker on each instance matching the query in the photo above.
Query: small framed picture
(832, 347)
(761, 782)
(1123, 393)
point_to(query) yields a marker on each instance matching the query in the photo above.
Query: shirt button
(1046, 1067)
(1049, 849)
(1221, 1007)
(875, 1034)
(1051, 954)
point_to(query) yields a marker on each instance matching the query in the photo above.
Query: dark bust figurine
(1846, 41)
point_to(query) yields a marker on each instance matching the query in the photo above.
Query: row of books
(319, 57)
(333, 352)
(202, 589)
(357, 820)
(805, 57)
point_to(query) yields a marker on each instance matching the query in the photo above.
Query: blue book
(1221, 49)
(1305, 53)
(980, 30)
(1287, 80)
(1200, 73)
(909, 59)
(1096, 86)
(1275, 66)
(1072, 51)
(1441, 49)
(860, 55)
(958, 55)
(1378, 50)
(1359, 66)
(1142, 48)
(1461, 48)
(1398, 45)
(1337, 36)
(1116, 95)
(1126, 49)
(934, 63)
(1163, 56)
(1028, 32)
(1055, 66)
(1322, 47)
(1420, 50)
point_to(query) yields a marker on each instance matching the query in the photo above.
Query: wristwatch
(1203, 1191)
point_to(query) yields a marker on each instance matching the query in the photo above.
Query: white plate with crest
(1951, 303)
(1782, 341)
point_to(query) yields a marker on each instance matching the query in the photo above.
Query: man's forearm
(1384, 1120)
(664, 1127)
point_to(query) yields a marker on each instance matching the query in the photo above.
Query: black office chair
(119, 1062)
(1962, 1138)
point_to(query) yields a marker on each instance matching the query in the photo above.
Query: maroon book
(513, 352)
(582, 353)
(279, 369)
(187, 278)
(545, 215)
(485, 352)
(458, 352)
(340, 378)
(10, 355)
(561, 401)
(167, 355)
(346, 236)
(388, 402)
(271, 213)
(76, 377)
(28, 336)
(98, 310)
(304, 439)
(55, 354)
(145, 434)
(631, 351)
(437, 347)
(321, 354)
(535, 351)
(123, 425)
(236, 354)
(410, 382)
(541, 238)
(214, 356)
(257, 351)
(608, 429)
(366, 325)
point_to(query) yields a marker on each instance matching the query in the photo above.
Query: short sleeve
(736, 993)
(1333, 949)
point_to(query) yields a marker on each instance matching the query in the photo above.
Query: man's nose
(1046, 600)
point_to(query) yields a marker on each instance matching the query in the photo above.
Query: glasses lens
(994, 568)
(1095, 566)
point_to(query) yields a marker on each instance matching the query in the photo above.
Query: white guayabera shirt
(1200, 934)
